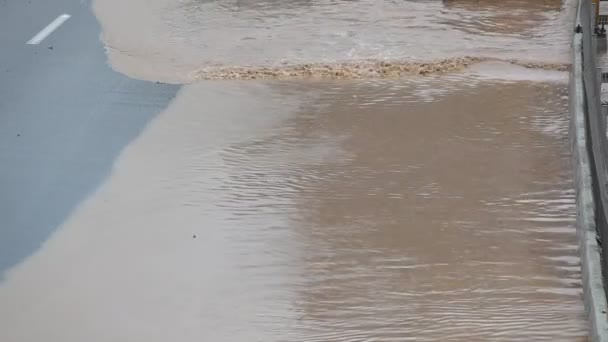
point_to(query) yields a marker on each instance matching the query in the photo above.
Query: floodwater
(424, 208)
(184, 40)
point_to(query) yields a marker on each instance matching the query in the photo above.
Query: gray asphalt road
(64, 118)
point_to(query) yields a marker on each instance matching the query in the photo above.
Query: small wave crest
(358, 69)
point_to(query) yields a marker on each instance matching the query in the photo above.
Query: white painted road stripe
(49, 29)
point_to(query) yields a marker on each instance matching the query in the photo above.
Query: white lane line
(49, 29)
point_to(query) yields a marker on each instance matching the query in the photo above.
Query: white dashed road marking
(49, 29)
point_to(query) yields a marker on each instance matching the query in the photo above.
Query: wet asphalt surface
(65, 116)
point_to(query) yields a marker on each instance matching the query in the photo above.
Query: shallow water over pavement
(323, 211)
(182, 40)
(418, 208)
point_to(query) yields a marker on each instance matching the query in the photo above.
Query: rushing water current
(421, 206)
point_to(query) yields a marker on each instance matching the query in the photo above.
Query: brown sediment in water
(324, 211)
(357, 69)
(541, 65)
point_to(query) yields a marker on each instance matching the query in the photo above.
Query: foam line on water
(357, 69)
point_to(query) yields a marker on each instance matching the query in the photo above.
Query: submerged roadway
(65, 116)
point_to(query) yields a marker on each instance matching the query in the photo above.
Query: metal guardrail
(597, 143)
(589, 146)
(599, 12)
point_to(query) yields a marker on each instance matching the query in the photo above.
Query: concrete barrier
(583, 162)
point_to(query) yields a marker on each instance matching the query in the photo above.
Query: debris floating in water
(356, 69)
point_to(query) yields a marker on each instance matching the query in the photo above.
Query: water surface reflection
(425, 209)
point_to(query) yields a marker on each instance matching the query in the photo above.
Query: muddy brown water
(420, 208)
(180, 41)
